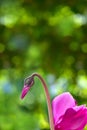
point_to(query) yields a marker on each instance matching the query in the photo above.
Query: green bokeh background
(47, 37)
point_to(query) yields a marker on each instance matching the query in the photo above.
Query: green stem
(48, 101)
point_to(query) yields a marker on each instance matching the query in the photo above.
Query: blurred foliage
(44, 36)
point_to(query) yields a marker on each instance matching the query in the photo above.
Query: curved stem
(48, 100)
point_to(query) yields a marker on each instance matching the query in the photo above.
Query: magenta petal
(24, 91)
(60, 104)
(74, 119)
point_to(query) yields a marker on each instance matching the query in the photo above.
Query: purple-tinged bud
(27, 85)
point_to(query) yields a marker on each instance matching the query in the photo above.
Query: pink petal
(74, 119)
(60, 104)
(24, 91)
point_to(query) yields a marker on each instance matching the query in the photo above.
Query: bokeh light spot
(2, 48)
(84, 47)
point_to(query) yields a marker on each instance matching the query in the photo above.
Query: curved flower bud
(27, 85)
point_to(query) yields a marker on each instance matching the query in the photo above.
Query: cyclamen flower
(64, 114)
(67, 115)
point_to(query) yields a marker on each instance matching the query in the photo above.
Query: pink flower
(64, 114)
(67, 115)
